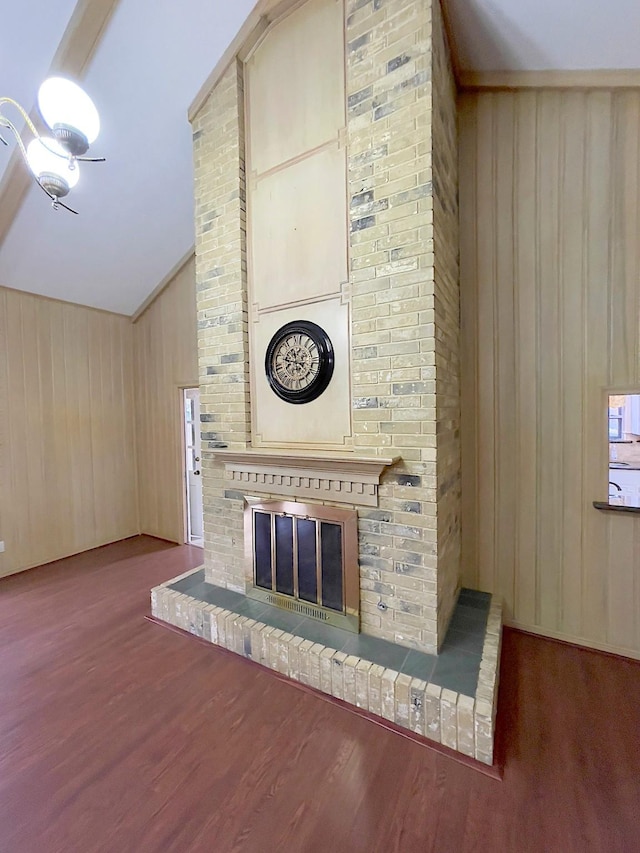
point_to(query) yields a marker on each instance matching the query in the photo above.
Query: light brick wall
(404, 299)
(405, 312)
(223, 349)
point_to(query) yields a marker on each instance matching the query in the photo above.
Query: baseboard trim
(66, 556)
(576, 642)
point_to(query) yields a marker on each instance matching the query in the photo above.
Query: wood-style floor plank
(118, 735)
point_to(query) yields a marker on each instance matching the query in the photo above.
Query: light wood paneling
(67, 459)
(166, 359)
(297, 215)
(298, 245)
(294, 108)
(550, 268)
(324, 422)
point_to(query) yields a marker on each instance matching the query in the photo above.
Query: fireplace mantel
(338, 477)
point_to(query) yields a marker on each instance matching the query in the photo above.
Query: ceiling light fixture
(74, 122)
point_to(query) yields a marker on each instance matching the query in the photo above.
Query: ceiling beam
(77, 47)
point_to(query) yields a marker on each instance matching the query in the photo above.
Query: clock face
(299, 361)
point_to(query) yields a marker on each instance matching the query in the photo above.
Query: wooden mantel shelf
(338, 477)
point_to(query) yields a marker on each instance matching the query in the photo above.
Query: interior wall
(166, 360)
(550, 269)
(67, 460)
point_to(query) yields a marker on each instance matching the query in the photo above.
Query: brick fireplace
(326, 191)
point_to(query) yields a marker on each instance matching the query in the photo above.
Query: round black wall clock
(299, 361)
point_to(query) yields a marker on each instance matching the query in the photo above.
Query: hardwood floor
(119, 735)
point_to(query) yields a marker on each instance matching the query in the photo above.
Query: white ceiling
(136, 210)
(540, 35)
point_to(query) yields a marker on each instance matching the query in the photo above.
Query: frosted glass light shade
(43, 161)
(63, 102)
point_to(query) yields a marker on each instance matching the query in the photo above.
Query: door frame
(181, 387)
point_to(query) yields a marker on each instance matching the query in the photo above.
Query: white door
(193, 477)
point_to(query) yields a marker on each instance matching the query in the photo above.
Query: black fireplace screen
(301, 557)
(305, 558)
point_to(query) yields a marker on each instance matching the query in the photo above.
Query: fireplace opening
(304, 559)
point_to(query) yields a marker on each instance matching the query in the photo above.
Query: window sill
(604, 505)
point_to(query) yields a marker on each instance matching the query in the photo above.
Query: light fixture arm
(9, 125)
(21, 110)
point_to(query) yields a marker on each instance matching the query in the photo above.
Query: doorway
(193, 478)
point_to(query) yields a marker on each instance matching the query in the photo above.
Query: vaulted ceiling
(143, 63)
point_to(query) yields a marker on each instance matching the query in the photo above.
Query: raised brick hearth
(449, 698)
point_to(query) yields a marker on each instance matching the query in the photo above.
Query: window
(616, 414)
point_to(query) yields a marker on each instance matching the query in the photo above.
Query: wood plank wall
(550, 269)
(67, 459)
(166, 359)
